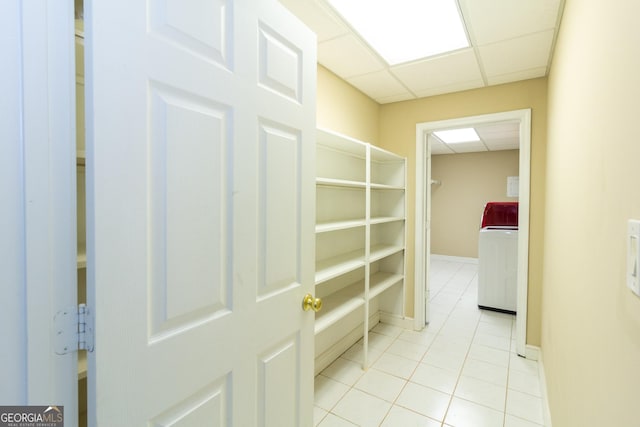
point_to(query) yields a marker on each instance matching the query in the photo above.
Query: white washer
(498, 268)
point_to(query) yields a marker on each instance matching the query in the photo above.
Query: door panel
(205, 407)
(278, 384)
(189, 198)
(201, 200)
(280, 208)
(280, 64)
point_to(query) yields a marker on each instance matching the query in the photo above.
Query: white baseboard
(332, 353)
(532, 352)
(546, 412)
(450, 258)
(395, 320)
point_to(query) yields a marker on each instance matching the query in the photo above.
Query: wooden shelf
(381, 281)
(342, 143)
(385, 219)
(382, 251)
(338, 305)
(82, 364)
(82, 260)
(361, 210)
(386, 187)
(339, 265)
(339, 225)
(332, 182)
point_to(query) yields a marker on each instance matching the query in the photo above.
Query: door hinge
(73, 329)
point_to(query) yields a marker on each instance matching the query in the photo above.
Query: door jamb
(422, 235)
(41, 40)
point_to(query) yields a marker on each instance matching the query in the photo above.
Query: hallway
(460, 371)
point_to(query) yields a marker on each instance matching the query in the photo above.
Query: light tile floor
(460, 371)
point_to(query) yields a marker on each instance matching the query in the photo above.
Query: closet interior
(80, 203)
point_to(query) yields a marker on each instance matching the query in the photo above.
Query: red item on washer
(500, 214)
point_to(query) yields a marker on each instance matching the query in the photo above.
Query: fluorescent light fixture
(457, 135)
(405, 30)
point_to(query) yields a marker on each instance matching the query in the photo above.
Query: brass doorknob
(311, 303)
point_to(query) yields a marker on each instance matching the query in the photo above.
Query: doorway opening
(423, 212)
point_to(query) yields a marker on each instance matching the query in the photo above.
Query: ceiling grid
(510, 41)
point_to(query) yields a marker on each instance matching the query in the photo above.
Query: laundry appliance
(498, 257)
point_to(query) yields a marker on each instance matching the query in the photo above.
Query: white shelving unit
(81, 217)
(360, 241)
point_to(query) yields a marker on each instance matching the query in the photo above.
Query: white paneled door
(201, 204)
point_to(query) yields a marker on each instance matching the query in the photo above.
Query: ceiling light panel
(457, 136)
(405, 30)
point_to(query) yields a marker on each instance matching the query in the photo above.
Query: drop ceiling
(511, 40)
(493, 137)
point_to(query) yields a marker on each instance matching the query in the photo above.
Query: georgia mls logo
(31, 416)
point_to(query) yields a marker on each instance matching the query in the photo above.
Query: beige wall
(398, 133)
(467, 182)
(591, 321)
(344, 109)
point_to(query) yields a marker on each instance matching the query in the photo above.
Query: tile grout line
(408, 380)
(352, 386)
(506, 388)
(444, 417)
(460, 294)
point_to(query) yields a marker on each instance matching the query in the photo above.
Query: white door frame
(423, 203)
(37, 158)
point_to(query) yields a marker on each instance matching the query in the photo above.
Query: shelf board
(340, 142)
(380, 155)
(82, 365)
(323, 227)
(336, 266)
(332, 182)
(378, 252)
(82, 260)
(382, 281)
(80, 157)
(376, 186)
(385, 219)
(338, 305)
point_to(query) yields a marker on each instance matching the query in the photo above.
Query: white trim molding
(546, 411)
(422, 206)
(449, 258)
(38, 122)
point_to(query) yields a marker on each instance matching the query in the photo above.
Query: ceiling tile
(489, 21)
(517, 55)
(395, 98)
(468, 147)
(438, 147)
(512, 40)
(503, 127)
(502, 143)
(320, 18)
(379, 85)
(499, 130)
(459, 87)
(504, 147)
(447, 70)
(531, 73)
(347, 57)
(500, 136)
